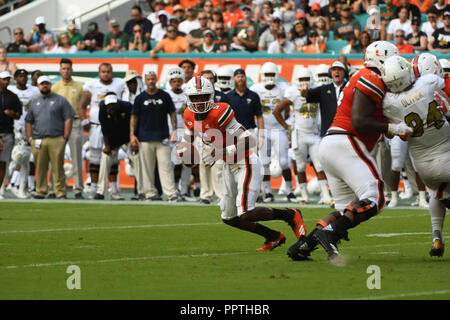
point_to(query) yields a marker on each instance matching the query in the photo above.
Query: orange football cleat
(270, 245)
(297, 224)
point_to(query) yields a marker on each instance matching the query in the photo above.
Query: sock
(265, 232)
(93, 189)
(267, 186)
(31, 183)
(15, 178)
(113, 186)
(394, 196)
(324, 188)
(437, 214)
(288, 186)
(285, 215)
(422, 196)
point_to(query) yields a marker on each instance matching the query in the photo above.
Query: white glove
(208, 155)
(399, 129)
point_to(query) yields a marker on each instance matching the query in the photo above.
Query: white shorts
(351, 171)
(303, 146)
(240, 187)
(95, 137)
(399, 152)
(95, 155)
(276, 144)
(8, 145)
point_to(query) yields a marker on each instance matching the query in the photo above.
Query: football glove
(399, 129)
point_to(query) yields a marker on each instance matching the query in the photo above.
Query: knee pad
(363, 210)
(94, 168)
(114, 169)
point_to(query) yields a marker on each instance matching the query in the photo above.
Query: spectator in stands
(72, 91)
(115, 40)
(418, 39)
(299, 35)
(361, 6)
(289, 14)
(169, 8)
(352, 46)
(10, 110)
(347, 25)
(240, 28)
(208, 9)
(316, 46)
(188, 67)
(321, 29)
(49, 45)
(139, 41)
(35, 76)
(157, 6)
(149, 134)
(216, 18)
(191, 22)
(265, 17)
(208, 45)
(316, 13)
(5, 64)
(171, 44)
(413, 10)
(441, 6)
(159, 29)
(64, 45)
(48, 126)
(19, 44)
(364, 41)
(401, 22)
(330, 13)
(246, 41)
(138, 19)
(423, 5)
(269, 35)
(401, 44)
(93, 39)
(440, 39)
(178, 11)
(196, 36)
(281, 44)
(221, 37)
(373, 24)
(232, 13)
(75, 37)
(387, 13)
(432, 24)
(38, 31)
(174, 22)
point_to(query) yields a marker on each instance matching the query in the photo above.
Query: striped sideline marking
(403, 295)
(389, 235)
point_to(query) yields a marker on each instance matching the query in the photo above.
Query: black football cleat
(328, 239)
(301, 250)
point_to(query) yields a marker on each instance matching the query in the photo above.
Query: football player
(270, 92)
(344, 153)
(225, 79)
(94, 91)
(305, 136)
(225, 138)
(414, 102)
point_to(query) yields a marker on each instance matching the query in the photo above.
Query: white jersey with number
(179, 100)
(25, 96)
(429, 143)
(269, 100)
(306, 115)
(98, 91)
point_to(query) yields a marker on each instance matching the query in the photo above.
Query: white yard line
(403, 295)
(390, 235)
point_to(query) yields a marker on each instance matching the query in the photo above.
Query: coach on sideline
(48, 126)
(10, 110)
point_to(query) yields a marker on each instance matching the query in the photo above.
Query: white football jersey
(269, 100)
(25, 96)
(179, 100)
(417, 107)
(306, 115)
(98, 91)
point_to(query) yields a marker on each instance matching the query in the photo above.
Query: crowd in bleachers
(286, 26)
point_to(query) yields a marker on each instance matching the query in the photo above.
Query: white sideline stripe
(403, 295)
(125, 259)
(113, 227)
(389, 235)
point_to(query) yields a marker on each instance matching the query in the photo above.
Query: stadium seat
(362, 19)
(153, 43)
(334, 46)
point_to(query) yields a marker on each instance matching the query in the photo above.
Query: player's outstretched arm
(363, 108)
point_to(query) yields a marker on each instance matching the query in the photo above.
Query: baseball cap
(19, 72)
(239, 71)
(71, 25)
(40, 20)
(345, 7)
(446, 13)
(277, 15)
(129, 75)
(113, 22)
(315, 6)
(42, 79)
(300, 15)
(373, 11)
(338, 64)
(5, 74)
(162, 13)
(178, 7)
(208, 32)
(110, 99)
(92, 26)
(246, 7)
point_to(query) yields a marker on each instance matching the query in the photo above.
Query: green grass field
(174, 252)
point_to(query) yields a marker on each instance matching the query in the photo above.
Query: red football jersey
(368, 82)
(212, 128)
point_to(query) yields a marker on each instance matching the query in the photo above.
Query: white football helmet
(426, 63)
(199, 87)
(225, 78)
(377, 53)
(397, 73)
(269, 73)
(445, 64)
(275, 168)
(303, 77)
(21, 153)
(175, 73)
(322, 74)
